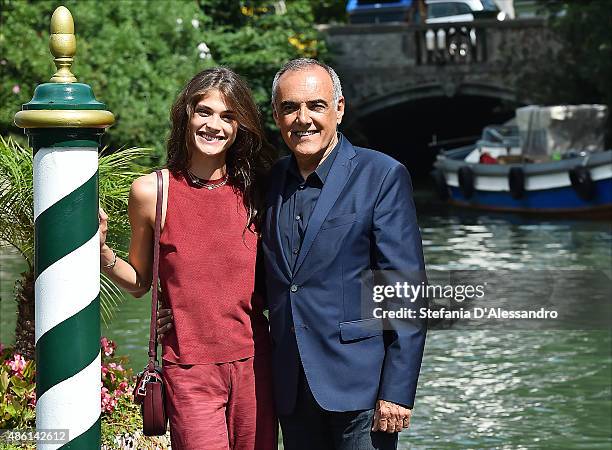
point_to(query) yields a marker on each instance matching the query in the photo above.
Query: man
(335, 211)
(342, 379)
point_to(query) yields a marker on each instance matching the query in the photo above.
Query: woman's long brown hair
(250, 156)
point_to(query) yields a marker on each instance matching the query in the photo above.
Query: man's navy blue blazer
(364, 219)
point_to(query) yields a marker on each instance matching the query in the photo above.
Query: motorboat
(547, 160)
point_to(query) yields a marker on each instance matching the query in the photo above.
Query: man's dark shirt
(299, 200)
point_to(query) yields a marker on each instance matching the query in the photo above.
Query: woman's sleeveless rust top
(207, 275)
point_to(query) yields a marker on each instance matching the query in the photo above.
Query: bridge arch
(427, 91)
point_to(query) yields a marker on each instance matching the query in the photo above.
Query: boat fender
(516, 182)
(466, 181)
(583, 184)
(440, 184)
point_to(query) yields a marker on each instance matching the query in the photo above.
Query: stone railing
(357, 47)
(450, 44)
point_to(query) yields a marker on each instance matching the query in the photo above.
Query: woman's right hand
(107, 256)
(103, 228)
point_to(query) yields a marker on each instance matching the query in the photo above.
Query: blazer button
(292, 330)
(294, 288)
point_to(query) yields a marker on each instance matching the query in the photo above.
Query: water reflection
(492, 388)
(515, 389)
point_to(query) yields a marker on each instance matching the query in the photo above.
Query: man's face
(305, 112)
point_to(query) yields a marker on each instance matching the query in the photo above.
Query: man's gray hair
(302, 64)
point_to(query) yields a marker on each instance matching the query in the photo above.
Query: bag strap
(155, 282)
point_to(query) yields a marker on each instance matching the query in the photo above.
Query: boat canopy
(554, 131)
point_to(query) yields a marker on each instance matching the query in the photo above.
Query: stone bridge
(382, 65)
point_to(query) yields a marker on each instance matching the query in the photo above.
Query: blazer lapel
(278, 200)
(337, 177)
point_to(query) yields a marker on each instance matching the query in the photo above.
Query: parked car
(378, 11)
(446, 11)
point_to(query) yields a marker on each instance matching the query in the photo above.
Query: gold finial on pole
(62, 44)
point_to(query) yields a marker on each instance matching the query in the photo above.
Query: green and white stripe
(67, 291)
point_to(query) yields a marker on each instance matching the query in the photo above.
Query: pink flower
(106, 400)
(17, 364)
(108, 346)
(16, 89)
(123, 385)
(109, 402)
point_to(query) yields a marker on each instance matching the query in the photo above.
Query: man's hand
(390, 418)
(164, 322)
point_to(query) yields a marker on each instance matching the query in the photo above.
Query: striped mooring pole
(64, 123)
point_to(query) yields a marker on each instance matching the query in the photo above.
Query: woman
(215, 358)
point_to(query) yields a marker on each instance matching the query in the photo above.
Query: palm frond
(16, 199)
(112, 296)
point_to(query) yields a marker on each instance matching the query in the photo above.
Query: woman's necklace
(204, 183)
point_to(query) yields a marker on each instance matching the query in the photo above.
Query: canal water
(479, 388)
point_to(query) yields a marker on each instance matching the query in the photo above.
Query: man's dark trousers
(311, 427)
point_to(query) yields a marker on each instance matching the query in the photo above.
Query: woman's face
(213, 126)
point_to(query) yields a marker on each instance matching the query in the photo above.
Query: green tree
(117, 171)
(138, 54)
